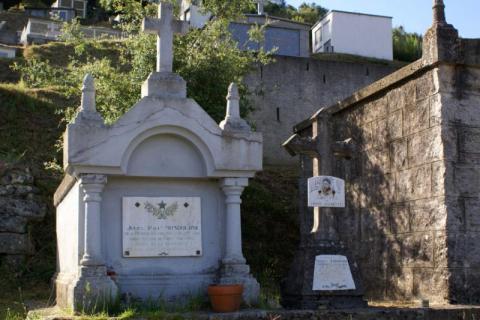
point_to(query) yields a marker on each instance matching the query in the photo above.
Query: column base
(91, 291)
(240, 274)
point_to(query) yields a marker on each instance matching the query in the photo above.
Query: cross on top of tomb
(164, 27)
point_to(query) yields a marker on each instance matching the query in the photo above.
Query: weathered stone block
(374, 110)
(400, 218)
(395, 125)
(399, 283)
(443, 180)
(380, 133)
(467, 180)
(373, 221)
(416, 117)
(431, 284)
(472, 214)
(425, 147)
(471, 80)
(453, 254)
(395, 100)
(376, 161)
(413, 183)
(437, 112)
(469, 139)
(428, 214)
(472, 254)
(418, 250)
(425, 86)
(469, 289)
(398, 154)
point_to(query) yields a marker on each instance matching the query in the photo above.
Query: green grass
(59, 53)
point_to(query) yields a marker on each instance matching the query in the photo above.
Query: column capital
(92, 185)
(87, 179)
(234, 182)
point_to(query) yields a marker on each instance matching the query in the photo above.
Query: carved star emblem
(162, 205)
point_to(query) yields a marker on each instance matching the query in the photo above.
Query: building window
(186, 15)
(318, 37)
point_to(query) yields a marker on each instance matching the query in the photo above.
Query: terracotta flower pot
(225, 298)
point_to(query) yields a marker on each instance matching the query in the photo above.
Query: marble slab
(326, 191)
(332, 273)
(162, 227)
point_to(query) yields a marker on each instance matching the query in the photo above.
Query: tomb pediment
(180, 125)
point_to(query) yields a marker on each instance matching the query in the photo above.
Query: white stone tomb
(150, 205)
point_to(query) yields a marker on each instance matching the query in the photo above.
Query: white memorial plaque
(326, 191)
(166, 226)
(332, 273)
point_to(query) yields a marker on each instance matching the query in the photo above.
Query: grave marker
(154, 198)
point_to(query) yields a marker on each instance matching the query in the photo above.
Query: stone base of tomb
(297, 289)
(91, 290)
(232, 273)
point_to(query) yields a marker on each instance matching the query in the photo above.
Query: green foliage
(270, 226)
(306, 12)
(406, 46)
(209, 59)
(229, 10)
(72, 32)
(38, 73)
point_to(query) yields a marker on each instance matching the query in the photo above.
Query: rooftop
(352, 13)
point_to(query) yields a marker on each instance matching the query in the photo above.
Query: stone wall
(19, 205)
(460, 118)
(395, 222)
(291, 89)
(412, 186)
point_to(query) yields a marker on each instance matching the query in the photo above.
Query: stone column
(93, 289)
(233, 189)
(92, 186)
(234, 268)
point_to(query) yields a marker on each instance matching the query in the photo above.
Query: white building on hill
(354, 33)
(80, 6)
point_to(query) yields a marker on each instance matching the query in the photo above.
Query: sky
(414, 15)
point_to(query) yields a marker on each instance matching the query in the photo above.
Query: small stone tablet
(326, 192)
(332, 273)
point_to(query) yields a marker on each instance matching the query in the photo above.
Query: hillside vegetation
(32, 121)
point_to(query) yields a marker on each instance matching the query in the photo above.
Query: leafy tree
(309, 13)
(208, 59)
(406, 46)
(306, 12)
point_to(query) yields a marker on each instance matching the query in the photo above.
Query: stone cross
(322, 150)
(260, 7)
(164, 27)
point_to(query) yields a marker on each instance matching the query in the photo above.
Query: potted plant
(225, 297)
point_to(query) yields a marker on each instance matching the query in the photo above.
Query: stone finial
(233, 101)
(88, 94)
(441, 42)
(439, 13)
(88, 109)
(233, 121)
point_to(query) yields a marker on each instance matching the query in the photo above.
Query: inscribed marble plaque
(326, 191)
(332, 273)
(165, 226)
